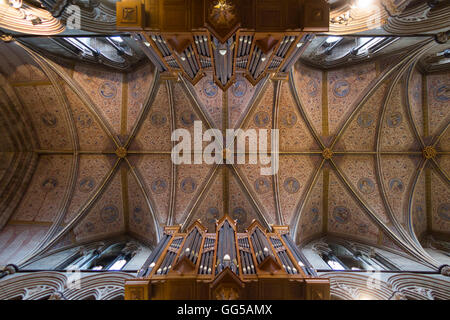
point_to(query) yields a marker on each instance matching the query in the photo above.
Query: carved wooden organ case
(226, 265)
(223, 37)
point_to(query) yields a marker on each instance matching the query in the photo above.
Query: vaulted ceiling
(86, 152)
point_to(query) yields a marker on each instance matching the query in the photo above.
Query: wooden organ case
(226, 265)
(254, 38)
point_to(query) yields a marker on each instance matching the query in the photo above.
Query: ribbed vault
(363, 153)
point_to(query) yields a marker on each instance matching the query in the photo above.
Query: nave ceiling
(92, 149)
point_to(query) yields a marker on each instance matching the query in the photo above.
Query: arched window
(347, 257)
(113, 257)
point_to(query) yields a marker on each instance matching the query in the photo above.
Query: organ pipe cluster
(240, 53)
(205, 254)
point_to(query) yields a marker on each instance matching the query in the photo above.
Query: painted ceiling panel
(105, 90)
(398, 172)
(154, 134)
(261, 187)
(91, 173)
(295, 176)
(155, 173)
(416, 100)
(444, 141)
(48, 116)
(294, 132)
(440, 206)
(140, 220)
(186, 112)
(106, 215)
(190, 183)
(241, 208)
(210, 97)
(91, 135)
(139, 86)
(16, 241)
(397, 133)
(344, 88)
(419, 207)
(261, 114)
(360, 134)
(211, 207)
(308, 83)
(240, 96)
(47, 191)
(438, 101)
(311, 217)
(360, 171)
(444, 164)
(345, 216)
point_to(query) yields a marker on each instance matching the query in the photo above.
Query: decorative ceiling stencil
(48, 185)
(106, 215)
(155, 172)
(210, 98)
(419, 207)
(360, 171)
(240, 208)
(211, 206)
(48, 116)
(312, 216)
(345, 216)
(92, 171)
(309, 86)
(91, 135)
(18, 240)
(440, 195)
(415, 96)
(438, 101)
(191, 181)
(154, 134)
(240, 95)
(138, 88)
(398, 172)
(360, 134)
(105, 90)
(294, 179)
(396, 132)
(344, 88)
(261, 188)
(294, 132)
(139, 218)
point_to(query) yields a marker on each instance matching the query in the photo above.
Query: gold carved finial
(121, 152)
(429, 152)
(327, 153)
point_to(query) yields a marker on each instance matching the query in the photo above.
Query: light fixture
(263, 59)
(223, 52)
(147, 43)
(299, 44)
